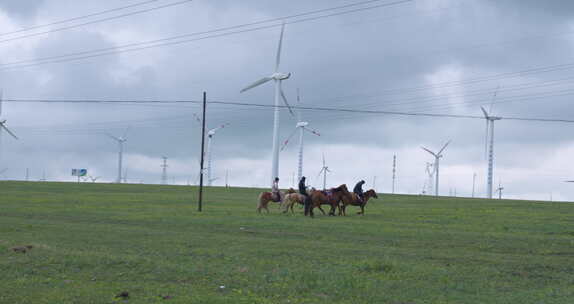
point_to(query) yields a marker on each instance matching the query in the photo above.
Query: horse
(356, 202)
(266, 197)
(291, 199)
(330, 197)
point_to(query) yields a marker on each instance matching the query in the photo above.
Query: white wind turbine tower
(301, 126)
(121, 140)
(3, 126)
(430, 170)
(437, 157)
(210, 135)
(489, 126)
(324, 170)
(278, 78)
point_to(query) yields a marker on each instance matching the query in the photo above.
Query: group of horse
(337, 198)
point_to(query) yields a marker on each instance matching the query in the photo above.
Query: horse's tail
(260, 202)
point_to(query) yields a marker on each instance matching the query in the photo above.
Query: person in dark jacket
(303, 191)
(358, 190)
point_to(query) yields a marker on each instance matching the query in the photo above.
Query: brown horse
(266, 197)
(330, 197)
(356, 202)
(291, 200)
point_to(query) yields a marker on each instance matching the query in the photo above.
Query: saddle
(276, 197)
(327, 193)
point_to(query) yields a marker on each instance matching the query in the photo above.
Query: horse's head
(371, 193)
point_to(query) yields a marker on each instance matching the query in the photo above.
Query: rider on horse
(358, 190)
(303, 191)
(276, 196)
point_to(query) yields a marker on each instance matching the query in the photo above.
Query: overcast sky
(421, 56)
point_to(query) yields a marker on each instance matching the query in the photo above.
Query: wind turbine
(210, 135)
(278, 78)
(93, 179)
(490, 126)
(437, 157)
(499, 190)
(3, 125)
(430, 170)
(301, 126)
(121, 140)
(324, 170)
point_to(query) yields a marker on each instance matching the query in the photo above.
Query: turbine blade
(8, 130)
(311, 131)
(257, 83)
(444, 147)
(429, 151)
(485, 113)
(288, 139)
(323, 160)
(278, 58)
(126, 132)
(213, 131)
(493, 98)
(113, 137)
(320, 172)
(285, 98)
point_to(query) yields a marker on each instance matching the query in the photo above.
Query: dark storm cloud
(21, 8)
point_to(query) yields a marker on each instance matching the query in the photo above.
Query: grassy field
(92, 242)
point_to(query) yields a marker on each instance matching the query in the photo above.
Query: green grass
(94, 241)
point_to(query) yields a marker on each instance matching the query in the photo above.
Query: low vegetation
(101, 243)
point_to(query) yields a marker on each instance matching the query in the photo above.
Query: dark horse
(355, 201)
(330, 197)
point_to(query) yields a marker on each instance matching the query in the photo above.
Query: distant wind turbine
(437, 157)
(121, 141)
(324, 170)
(301, 126)
(490, 126)
(210, 135)
(499, 190)
(278, 78)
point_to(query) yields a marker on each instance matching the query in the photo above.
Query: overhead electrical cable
(95, 21)
(257, 105)
(138, 46)
(78, 18)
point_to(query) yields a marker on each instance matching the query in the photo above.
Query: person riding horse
(303, 191)
(275, 190)
(358, 190)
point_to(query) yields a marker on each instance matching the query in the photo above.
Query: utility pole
(199, 205)
(164, 171)
(394, 172)
(473, 183)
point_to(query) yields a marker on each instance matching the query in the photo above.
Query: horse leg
(322, 211)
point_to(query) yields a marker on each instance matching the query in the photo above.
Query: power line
(96, 21)
(308, 108)
(139, 46)
(78, 18)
